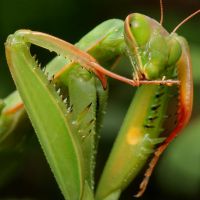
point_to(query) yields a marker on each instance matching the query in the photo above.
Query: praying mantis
(66, 102)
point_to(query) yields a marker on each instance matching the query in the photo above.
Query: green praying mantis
(66, 101)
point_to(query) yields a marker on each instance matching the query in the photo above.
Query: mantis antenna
(161, 12)
(185, 20)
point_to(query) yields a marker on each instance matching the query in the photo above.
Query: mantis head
(150, 48)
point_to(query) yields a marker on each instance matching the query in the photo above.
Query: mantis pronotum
(161, 61)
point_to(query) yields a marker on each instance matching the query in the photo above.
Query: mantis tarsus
(67, 127)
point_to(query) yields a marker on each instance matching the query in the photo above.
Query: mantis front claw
(73, 53)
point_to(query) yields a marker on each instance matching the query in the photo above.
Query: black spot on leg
(158, 95)
(149, 126)
(151, 118)
(155, 107)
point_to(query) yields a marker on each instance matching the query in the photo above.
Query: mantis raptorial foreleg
(184, 108)
(70, 125)
(70, 80)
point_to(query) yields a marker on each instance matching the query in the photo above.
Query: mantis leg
(184, 109)
(69, 120)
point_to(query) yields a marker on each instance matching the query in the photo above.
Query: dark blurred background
(177, 175)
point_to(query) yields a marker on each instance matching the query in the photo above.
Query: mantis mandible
(162, 69)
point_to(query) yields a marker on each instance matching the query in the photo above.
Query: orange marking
(14, 109)
(134, 136)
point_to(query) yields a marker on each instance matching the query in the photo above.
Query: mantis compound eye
(140, 28)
